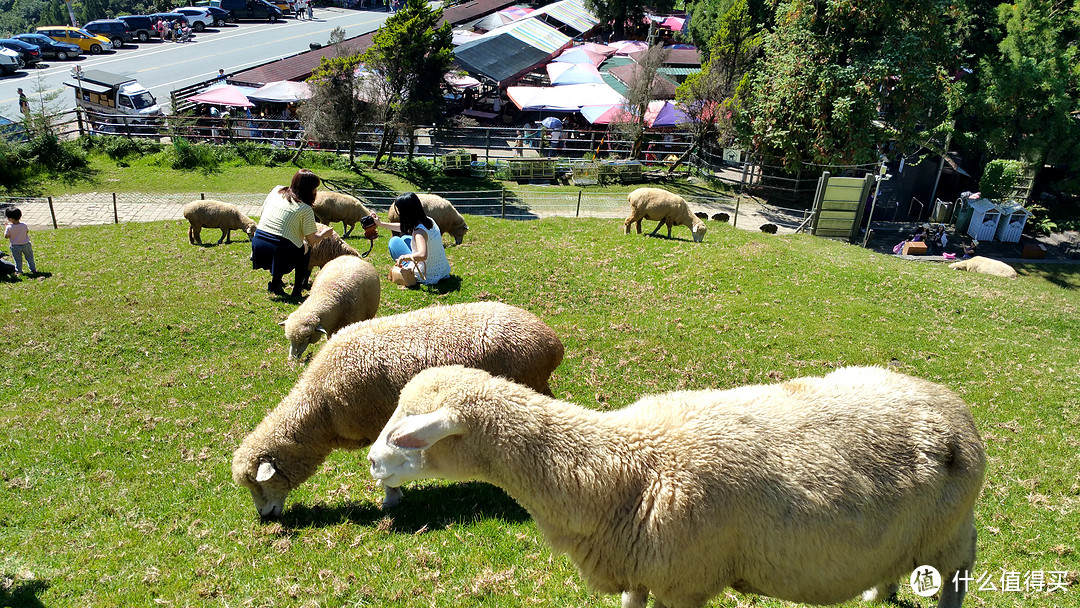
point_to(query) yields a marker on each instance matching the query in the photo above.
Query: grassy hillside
(134, 367)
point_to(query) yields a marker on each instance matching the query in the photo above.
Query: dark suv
(114, 29)
(140, 26)
(252, 9)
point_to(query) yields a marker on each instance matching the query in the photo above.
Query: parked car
(250, 9)
(77, 36)
(220, 15)
(115, 30)
(51, 48)
(10, 62)
(199, 17)
(140, 26)
(30, 53)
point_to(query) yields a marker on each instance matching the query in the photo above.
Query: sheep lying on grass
(346, 291)
(441, 212)
(661, 206)
(351, 386)
(330, 247)
(812, 491)
(985, 266)
(333, 207)
(215, 214)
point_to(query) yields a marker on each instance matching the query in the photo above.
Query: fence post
(202, 196)
(577, 213)
(115, 215)
(52, 212)
(487, 145)
(78, 119)
(502, 214)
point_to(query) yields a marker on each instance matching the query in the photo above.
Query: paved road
(164, 66)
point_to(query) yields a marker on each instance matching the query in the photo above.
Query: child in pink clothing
(19, 235)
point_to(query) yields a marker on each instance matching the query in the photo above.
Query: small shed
(1011, 224)
(984, 220)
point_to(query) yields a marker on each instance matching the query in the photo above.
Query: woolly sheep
(215, 214)
(442, 212)
(985, 266)
(701, 215)
(768, 228)
(330, 247)
(351, 386)
(809, 491)
(345, 291)
(333, 207)
(721, 217)
(659, 205)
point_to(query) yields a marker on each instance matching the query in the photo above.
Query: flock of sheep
(813, 490)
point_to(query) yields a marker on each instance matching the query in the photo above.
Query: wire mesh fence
(100, 208)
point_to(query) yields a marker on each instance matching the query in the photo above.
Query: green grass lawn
(135, 365)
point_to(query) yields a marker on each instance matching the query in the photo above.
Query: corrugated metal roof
(571, 13)
(499, 57)
(533, 32)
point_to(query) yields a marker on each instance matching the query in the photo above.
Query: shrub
(1000, 178)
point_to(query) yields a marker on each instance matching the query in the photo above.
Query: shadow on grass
(1065, 276)
(421, 509)
(23, 594)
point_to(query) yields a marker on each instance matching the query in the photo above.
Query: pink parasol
(626, 47)
(224, 95)
(579, 54)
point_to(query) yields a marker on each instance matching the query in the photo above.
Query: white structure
(984, 220)
(1011, 224)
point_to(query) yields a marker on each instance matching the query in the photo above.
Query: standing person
(19, 235)
(24, 103)
(420, 245)
(298, 9)
(286, 229)
(309, 4)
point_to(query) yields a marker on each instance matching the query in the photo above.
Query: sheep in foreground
(345, 291)
(442, 212)
(812, 491)
(332, 246)
(661, 206)
(985, 266)
(333, 207)
(351, 386)
(215, 214)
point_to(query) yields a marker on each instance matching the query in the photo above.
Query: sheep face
(268, 487)
(698, 230)
(397, 457)
(301, 334)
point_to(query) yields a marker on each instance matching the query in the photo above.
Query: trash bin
(963, 218)
(942, 211)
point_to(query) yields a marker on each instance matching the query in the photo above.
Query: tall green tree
(1029, 90)
(643, 88)
(713, 96)
(409, 58)
(624, 14)
(707, 16)
(840, 78)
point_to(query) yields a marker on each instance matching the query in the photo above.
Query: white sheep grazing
(351, 386)
(661, 206)
(333, 207)
(216, 214)
(442, 212)
(812, 490)
(985, 266)
(345, 291)
(330, 247)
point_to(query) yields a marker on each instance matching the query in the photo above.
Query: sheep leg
(654, 230)
(224, 234)
(626, 224)
(669, 224)
(195, 235)
(346, 229)
(880, 593)
(952, 593)
(638, 598)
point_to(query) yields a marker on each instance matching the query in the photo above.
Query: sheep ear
(421, 431)
(281, 323)
(319, 328)
(265, 472)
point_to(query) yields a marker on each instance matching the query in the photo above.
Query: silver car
(10, 62)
